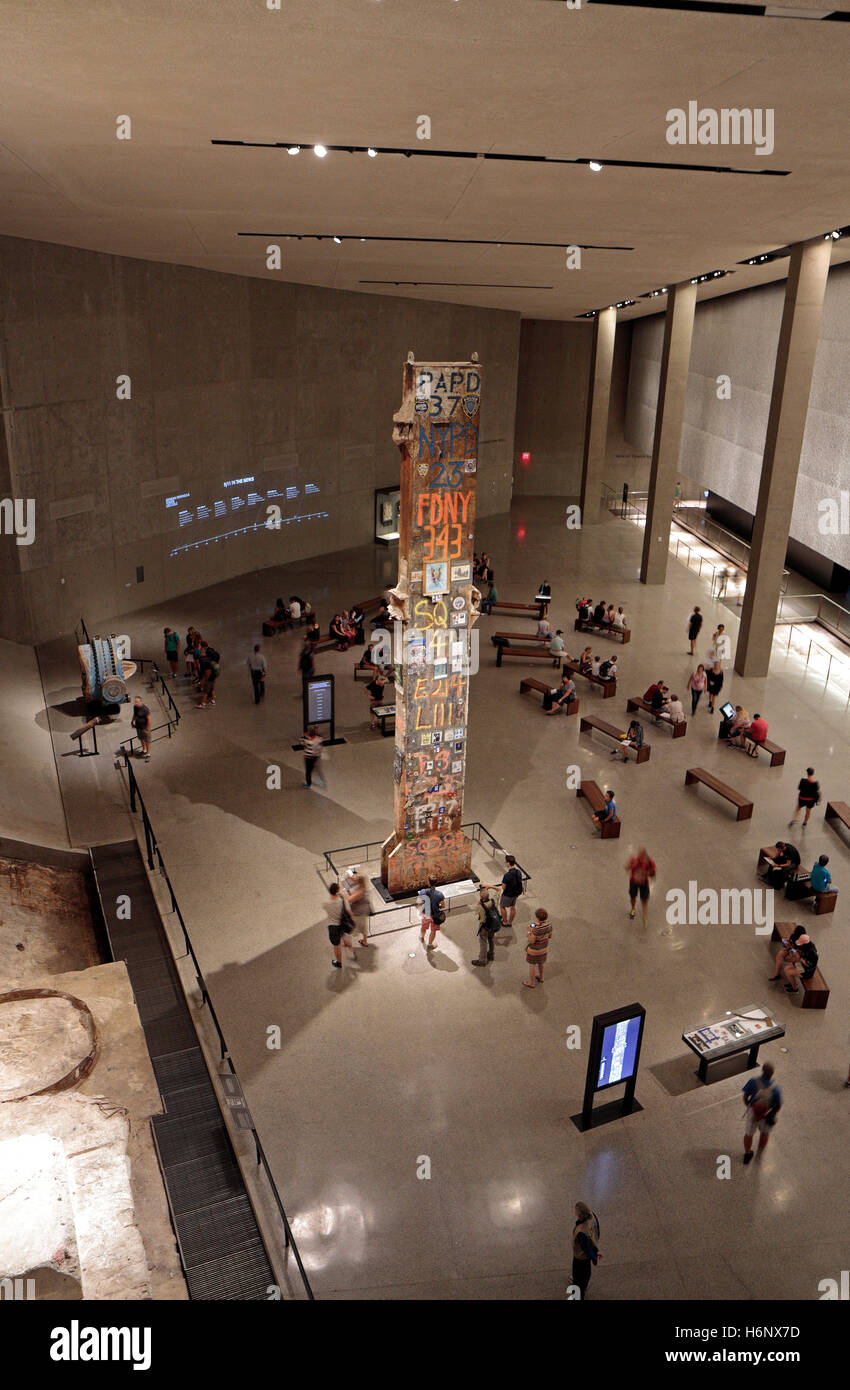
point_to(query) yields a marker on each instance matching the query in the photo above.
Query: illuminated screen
(240, 505)
(619, 1051)
(319, 701)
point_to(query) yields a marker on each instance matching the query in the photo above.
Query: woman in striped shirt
(539, 936)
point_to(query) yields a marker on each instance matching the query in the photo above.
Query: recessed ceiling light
(319, 151)
(373, 154)
(294, 149)
(338, 240)
(595, 166)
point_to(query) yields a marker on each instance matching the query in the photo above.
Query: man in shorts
(338, 924)
(511, 889)
(641, 869)
(763, 1100)
(431, 905)
(141, 721)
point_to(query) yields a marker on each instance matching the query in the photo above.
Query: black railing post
(132, 779)
(148, 837)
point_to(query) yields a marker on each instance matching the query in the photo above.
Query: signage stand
(613, 1059)
(317, 694)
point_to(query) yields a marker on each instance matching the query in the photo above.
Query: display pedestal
(604, 1114)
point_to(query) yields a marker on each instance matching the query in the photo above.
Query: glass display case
(387, 502)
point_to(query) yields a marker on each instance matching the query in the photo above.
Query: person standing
(721, 644)
(696, 684)
(256, 663)
(433, 916)
(359, 905)
(339, 924)
(141, 721)
(763, 1100)
(714, 684)
(586, 1252)
(312, 745)
(539, 936)
(210, 672)
(172, 648)
(808, 796)
(489, 922)
(722, 581)
(511, 890)
(306, 661)
(641, 869)
(189, 651)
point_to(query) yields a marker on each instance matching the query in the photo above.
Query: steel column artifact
(434, 605)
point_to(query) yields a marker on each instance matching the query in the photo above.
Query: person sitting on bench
(648, 694)
(556, 646)
(382, 617)
(820, 878)
(356, 619)
(544, 628)
(281, 615)
(585, 660)
(673, 709)
(659, 699)
(296, 608)
(632, 738)
(608, 812)
(756, 734)
(599, 612)
(313, 632)
(608, 620)
(784, 866)
(492, 597)
(739, 721)
(584, 608)
(608, 669)
(339, 634)
(556, 700)
(595, 665)
(619, 619)
(375, 691)
(796, 959)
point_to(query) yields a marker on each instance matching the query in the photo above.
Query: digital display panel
(320, 701)
(618, 1057)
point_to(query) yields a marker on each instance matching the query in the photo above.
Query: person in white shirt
(256, 663)
(721, 645)
(673, 710)
(594, 666)
(295, 610)
(619, 619)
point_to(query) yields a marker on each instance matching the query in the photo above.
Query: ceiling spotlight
(294, 149)
(363, 238)
(338, 240)
(319, 151)
(595, 166)
(373, 154)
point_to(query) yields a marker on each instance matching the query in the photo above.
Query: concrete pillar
(669, 415)
(596, 422)
(786, 425)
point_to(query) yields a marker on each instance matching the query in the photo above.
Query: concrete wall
(232, 378)
(723, 440)
(551, 404)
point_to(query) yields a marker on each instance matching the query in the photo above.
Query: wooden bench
(384, 712)
(609, 688)
(498, 637)
(528, 683)
(528, 653)
(272, 628)
(699, 774)
(799, 889)
(592, 721)
(838, 810)
(619, 634)
(364, 673)
(533, 608)
(777, 754)
(596, 801)
(680, 728)
(815, 990)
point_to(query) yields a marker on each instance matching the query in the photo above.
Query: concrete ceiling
(529, 77)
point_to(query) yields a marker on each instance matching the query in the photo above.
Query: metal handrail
(170, 724)
(473, 828)
(819, 616)
(813, 643)
(155, 859)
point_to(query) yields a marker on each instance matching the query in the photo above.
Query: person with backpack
(539, 936)
(489, 923)
(433, 914)
(586, 1252)
(608, 669)
(340, 924)
(210, 672)
(763, 1100)
(511, 890)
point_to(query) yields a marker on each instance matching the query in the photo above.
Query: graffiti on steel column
(436, 603)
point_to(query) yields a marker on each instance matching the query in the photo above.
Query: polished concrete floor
(401, 1057)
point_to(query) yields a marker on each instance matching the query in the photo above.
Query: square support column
(596, 422)
(669, 416)
(786, 426)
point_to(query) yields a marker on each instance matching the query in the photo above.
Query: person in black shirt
(694, 625)
(599, 611)
(713, 683)
(511, 889)
(141, 721)
(808, 796)
(784, 866)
